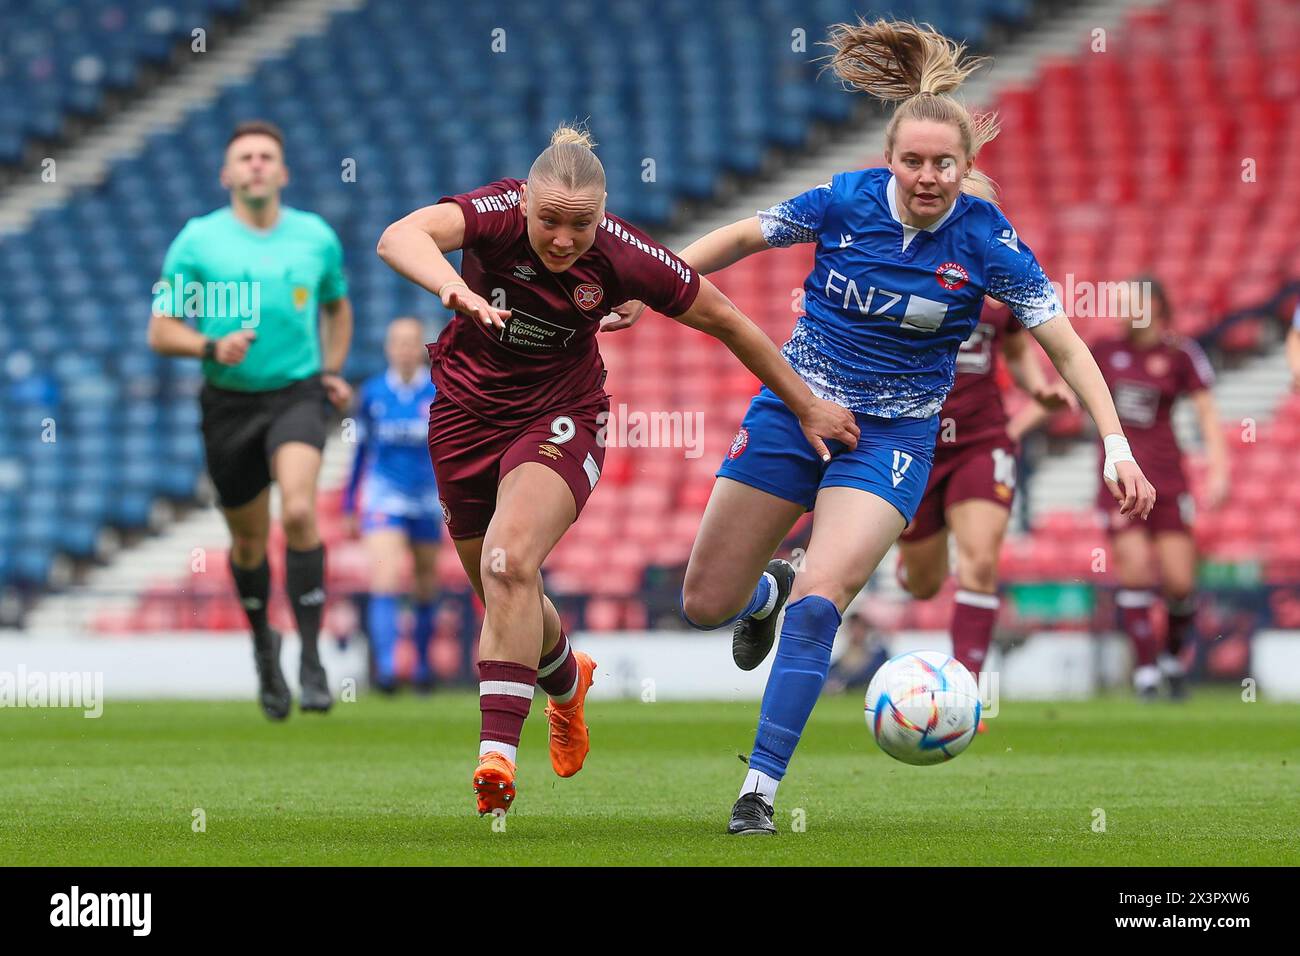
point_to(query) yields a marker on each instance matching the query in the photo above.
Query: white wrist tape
(1117, 450)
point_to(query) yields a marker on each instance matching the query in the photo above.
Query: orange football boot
(568, 731)
(494, 783)
(980, 728)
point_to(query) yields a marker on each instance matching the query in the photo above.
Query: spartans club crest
(952, 275)
(588, 296)
(738, 443)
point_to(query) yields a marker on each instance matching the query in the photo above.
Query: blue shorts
(892, 460)
(420, 529)
(383, 505)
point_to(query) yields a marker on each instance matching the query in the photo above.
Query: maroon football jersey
(1145, 383)
(975, 403)
(547, 355)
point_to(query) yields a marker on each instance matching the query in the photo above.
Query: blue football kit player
(392, 490)
(903, 259)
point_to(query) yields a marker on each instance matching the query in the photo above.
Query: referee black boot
(273, 692)
(315, 696)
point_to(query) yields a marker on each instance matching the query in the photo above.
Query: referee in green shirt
(247, 289)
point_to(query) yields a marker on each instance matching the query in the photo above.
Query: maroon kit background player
(512, 433)
(1147, 370)
(973, 481)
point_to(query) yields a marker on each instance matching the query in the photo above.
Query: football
(923, 707)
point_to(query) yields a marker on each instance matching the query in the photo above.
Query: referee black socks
(305, 580)
(254, 587)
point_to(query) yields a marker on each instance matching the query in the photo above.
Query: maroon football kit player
(533, 391)
(1145, 384)
(974, 457)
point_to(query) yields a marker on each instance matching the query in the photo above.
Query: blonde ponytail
(916, 67)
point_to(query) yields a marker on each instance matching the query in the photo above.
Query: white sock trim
(568, 694)
(766, 609)
(758, 782)
(509, 751)
(990, 602)
(552, 667)
(1146, 676)
(508, 688)
(1134, 598)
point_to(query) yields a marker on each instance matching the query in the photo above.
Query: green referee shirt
(225, 276)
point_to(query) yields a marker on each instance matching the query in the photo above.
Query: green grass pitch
(382, 782)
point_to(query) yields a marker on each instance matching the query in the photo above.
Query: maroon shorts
(470, 457)
(1175, 508)
(984, 470)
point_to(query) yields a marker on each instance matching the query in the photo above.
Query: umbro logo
(316, 596)
(1009, 239)
(252, 604)
(902, 461)
(846, 240)
(524, 272)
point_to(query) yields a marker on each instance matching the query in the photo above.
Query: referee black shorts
(242, 430)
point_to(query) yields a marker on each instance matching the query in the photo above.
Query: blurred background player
(269, 382)
(513, 432)
(1148, 370)
(393, 490)
(973, 480)
(903, 259)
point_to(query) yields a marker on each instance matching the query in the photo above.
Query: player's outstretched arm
(414, 248)
(1079, 369)
(714, 314)
(717, 250)
(725, 246)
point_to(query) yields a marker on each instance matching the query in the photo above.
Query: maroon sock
(557, 671)
(1181, 616)
(1135, 619)
(973, 617)
(505, 694)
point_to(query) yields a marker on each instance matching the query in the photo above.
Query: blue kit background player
(392, 490)
(903, 260)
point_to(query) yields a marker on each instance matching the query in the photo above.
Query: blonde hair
(569, 161)
(917, 67)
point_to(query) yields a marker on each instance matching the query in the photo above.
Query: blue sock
(757, 601)
(381, 622)
(803, 658)
(422, 635)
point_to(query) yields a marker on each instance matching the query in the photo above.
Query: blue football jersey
(887, 306)
(392, 419)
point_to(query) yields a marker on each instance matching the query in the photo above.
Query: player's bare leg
(923, 565)
(250, 525)
(1176, 556)
(852, 531)
(296, 466)
(1134, 559)
(741, 529)
(534, 509)
(386, 553)
(424, 593)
